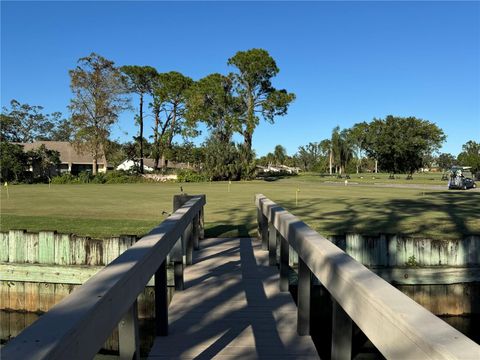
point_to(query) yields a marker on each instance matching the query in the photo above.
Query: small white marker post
(229, 183)
(296, 196)
(6, 188)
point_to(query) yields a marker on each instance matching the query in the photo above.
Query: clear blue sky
(346, 61)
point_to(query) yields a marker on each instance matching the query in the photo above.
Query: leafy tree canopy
(253, 85)
(211, 101)
(470, 155)
(27, 123)
(401, 144)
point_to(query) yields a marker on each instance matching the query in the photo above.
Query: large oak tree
(400, 144)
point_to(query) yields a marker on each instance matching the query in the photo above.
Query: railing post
(161, 300)
(188, 244)
(272, 244)
(341, 333)
(202, 223)
(128, 338)
(196, 232)
(303, 301)
(176, 256)
(284, 266)
(264, 232)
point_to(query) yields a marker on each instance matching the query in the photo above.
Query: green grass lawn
(105, 210)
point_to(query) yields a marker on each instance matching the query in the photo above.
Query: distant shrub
(111, 177)
(191, 176)
(65, 178)
(121, 177)
(85, 177)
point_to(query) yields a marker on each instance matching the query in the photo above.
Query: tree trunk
(94, 166)
(141, 133)
(330, 161)
(376, 166)
(156, 140)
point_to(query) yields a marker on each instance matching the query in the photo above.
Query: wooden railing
(399, 327)
(76, 327)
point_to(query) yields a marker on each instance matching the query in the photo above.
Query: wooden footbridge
(232, 299)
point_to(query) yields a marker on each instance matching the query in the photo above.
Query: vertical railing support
(303, 302)
(272, 244)
(259, 218)
(202, 223)
(284, 267)
(188, 243)
(161, 300)
(264, 232)
(196, 232)
(128, 338)
(341, 333)
(176, 256)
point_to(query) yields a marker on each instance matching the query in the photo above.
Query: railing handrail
(398, 326)
(77, 327)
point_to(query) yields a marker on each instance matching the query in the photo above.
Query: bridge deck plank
(232, 308)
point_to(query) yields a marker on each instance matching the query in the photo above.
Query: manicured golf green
(105, 210)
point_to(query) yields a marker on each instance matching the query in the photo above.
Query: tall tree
(253, 84)
(44, 162)
(170, 96)
(357, 138)
(98, 97)
(13, 160)
(280, 154)
(27, 123)
(211, 101)
(445, 161)
(400, 144)
(310, 156)
(470, 155)
(139, 80)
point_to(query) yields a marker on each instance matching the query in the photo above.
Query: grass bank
(105, 210)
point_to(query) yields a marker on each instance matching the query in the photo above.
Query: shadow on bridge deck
(232, 308)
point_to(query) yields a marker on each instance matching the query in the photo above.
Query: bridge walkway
(232, 308)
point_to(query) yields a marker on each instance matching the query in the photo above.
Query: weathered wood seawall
(37, 270)
(441, 275)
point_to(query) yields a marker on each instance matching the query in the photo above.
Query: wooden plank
(32, 296)
(428, 275)
(4, 246)
(78, 250)
(110, 250)
(94, 252)
(16, 246)
(125, 242)
(46, 247)
(46, 295)
(4, 294)
(61, 291)
(31, 248)
(63, 253)
(55, 274)
(16, 295)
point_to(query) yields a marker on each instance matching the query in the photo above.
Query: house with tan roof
(71, 159)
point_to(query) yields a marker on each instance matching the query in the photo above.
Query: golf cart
(461, 178)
